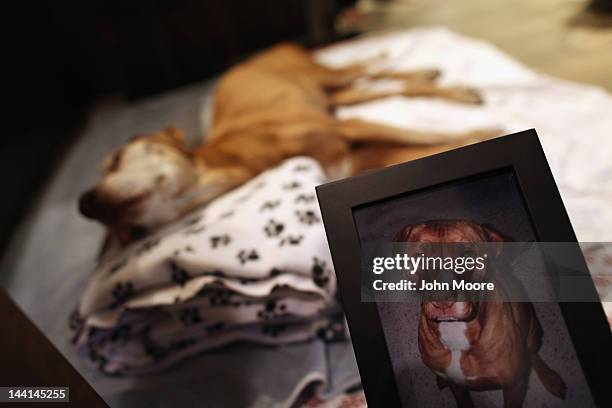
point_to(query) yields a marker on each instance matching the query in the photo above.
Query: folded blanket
(253, 265)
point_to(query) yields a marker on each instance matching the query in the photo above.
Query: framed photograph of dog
(438, 354)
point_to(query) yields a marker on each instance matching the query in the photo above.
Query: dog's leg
(514, 394)
(332, 79)
(459, 94)
(343, 79)
(417, 76)
(352, 95)
(462, 396)
(356, 130)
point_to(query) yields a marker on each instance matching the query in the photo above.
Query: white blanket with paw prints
(253, 265)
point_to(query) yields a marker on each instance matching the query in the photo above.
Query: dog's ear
(403, 235)
(175, 134)
(494, 236)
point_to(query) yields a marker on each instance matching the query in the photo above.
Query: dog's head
(142, 183)
(428, 238)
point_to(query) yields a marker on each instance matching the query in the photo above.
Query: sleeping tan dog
(274, 106)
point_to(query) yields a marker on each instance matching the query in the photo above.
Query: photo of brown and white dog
(276, 105)
(479, 346)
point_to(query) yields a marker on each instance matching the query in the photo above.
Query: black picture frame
(520, 152)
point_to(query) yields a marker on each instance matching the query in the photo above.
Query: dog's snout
(87, 203)
(443, 305)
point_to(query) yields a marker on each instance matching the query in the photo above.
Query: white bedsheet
(574, 121)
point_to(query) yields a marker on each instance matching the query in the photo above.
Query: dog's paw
(465, 95)
(430, 74)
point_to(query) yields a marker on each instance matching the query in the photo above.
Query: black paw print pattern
(273, 228)
(226, 214)
(99, 360)
(215, 328)
(152, 348)
(116, 267)
(122, 292)
(194, 230)
(245, 256)
(244, 197)
(275, 272)
(246, 281)
(221, 297)
(120, 333)
(304, 198)
(190, 316)
(273, 329)
(187, 248)
(269, 205)
(76, 322)
(179, 275)
(294, 185)
(193, 221)
(307, 217)
(278, 287)
(92, 332)
(272, 309)
(291, 240)
(148, 246)
(318, 272)
(220, 240)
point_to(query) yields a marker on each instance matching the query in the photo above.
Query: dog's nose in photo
(442, 305)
